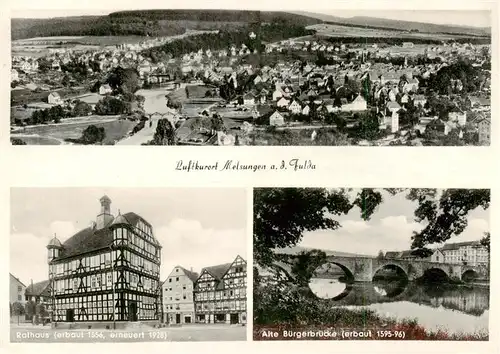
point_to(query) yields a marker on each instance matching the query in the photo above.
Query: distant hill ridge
(362, 21)
(298, 249)
(148, 22)
(171, 22)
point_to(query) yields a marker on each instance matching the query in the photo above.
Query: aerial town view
(371, 264)
(180, 275)
(220, 77)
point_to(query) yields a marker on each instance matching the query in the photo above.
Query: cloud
(474, 231)
(28, 257)
(63, 229)
(400, 223)
(187, 243)
(389, 233)
(353, 226)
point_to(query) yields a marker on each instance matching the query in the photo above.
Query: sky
(442, 17)
(389, 229)
(448, 17)
(197, 227)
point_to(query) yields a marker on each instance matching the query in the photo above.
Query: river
(154, 102)
(453, 308)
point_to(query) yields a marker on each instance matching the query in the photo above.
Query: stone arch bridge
(363, 269)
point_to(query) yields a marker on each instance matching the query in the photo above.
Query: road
(305, 127)
(154, 102)
(195, 332)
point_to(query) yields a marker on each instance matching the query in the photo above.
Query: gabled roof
(40, 288)
(217, 271)
(193, 276)
(393, 105)
(17, 279)
(90, 238)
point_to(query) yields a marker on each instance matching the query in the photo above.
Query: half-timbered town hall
(108, 272)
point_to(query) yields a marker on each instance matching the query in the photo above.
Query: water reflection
(435, 306)
(329, 288)
(330, 282)
(390, 288)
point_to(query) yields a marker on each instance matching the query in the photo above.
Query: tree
(124, 80)
(165, 133)
(485, 241)
(111, 106)
(445, 215)
(66, 81)
(282, 215)
(41, 311)
(367, 127)
(93, 135)
(18, 310)
(380, 254)
(81, 109)
(31, 310)
(305, 263)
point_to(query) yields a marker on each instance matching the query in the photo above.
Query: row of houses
(470, 253)
(38, 292)
(216, 295)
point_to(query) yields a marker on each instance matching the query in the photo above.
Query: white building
(276, 119)
(470, 253)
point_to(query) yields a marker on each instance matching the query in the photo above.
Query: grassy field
(334, 30)
(50, 134)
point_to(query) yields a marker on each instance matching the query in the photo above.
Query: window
(19, 297)
(177, 279)
(170, 280)
(19, 288)
(75, 284)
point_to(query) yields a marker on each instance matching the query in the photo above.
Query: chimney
(105, 217)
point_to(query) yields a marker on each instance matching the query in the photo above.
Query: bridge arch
(435, 273)
(390, 265)
(469, 275)
(347, 271)
(331, 281)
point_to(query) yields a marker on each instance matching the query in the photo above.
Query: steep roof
(454, 246)
(90, 238)
(54, 242)
(40, 288)
(193, 276)
(392, 254)
(120, 219)
(16, 278)
(217, 271)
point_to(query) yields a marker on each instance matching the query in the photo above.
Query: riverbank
(349, 324)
